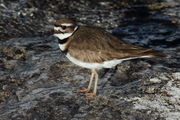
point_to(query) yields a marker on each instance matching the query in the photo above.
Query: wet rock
(155, 80)
(10, 57)
(38, 82)
(162, 98)
(13, 53)
(130, 71)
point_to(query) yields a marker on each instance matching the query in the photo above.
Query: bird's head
(64, 28)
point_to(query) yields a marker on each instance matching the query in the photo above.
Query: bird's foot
(90, 95)
(84, 90)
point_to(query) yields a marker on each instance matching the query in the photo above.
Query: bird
(93, 48)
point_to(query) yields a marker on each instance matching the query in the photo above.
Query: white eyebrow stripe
(67, 24)
(57, 28)
(62, 36)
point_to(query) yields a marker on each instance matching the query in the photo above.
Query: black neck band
(65, 51)
(66, 39)
(62, 41)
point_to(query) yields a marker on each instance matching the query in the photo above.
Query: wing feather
(95, 45)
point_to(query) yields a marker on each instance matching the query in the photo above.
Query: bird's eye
(63, 27)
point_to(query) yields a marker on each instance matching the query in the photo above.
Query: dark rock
(37, 81)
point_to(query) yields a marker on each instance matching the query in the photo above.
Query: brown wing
(94, 45)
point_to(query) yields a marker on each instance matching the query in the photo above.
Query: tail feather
(154, 53)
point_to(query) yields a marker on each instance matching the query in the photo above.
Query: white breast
(84, 64)
(62, 46)
(106, 64)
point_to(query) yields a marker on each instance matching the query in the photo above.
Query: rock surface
(37, 81)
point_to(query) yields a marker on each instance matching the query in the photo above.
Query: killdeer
(94, 49)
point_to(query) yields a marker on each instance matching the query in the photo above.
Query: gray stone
(37, 82)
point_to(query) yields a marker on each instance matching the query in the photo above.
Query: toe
(90, 95)
(84, 90)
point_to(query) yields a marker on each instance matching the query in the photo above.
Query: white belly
(106, 64)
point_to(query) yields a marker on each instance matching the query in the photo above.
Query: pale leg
(93, 94)
(95, 84)
(84, 90)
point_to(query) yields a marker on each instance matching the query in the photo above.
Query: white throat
(62, 36)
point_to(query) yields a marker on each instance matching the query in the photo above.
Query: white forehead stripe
(57, 28)
(67, 24)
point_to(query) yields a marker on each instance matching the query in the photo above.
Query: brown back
(94, 45)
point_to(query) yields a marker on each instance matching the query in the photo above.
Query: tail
(153, 53)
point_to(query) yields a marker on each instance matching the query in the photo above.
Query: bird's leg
(96, 82)
(84, 90)
(90, 82)
(93, 94)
